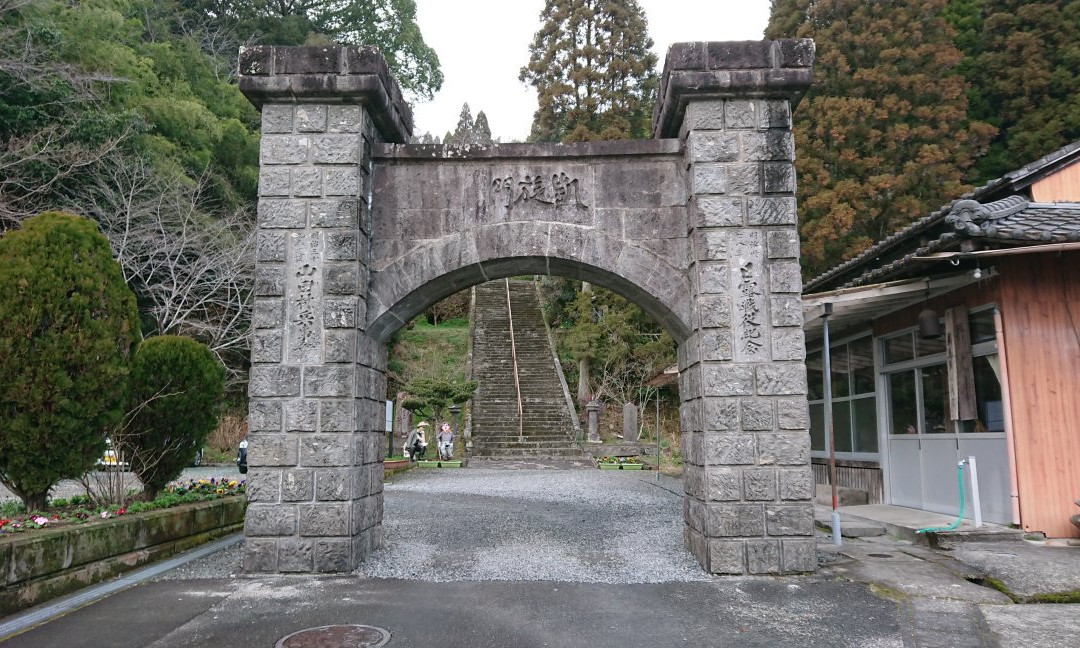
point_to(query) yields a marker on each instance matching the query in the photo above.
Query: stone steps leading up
(538, 453)
(546, 423)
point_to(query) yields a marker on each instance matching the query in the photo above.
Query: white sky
(482, 45)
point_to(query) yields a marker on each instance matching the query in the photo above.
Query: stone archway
(359, 232)
(383, 321)
(613, 213)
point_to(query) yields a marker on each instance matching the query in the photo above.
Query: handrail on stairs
(513, 355)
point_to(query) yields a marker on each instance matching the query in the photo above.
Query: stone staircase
(547, 430)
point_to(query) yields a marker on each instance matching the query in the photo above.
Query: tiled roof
(1009, 183)
(1016, 220)
(1013, 220)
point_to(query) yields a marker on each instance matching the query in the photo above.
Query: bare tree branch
(193, 272)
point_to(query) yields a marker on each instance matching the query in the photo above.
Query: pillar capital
(780, 69)
(337, 74)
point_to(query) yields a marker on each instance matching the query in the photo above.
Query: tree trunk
(35, 501)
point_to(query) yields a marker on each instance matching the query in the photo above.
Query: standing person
(445, 438)
(416, 443)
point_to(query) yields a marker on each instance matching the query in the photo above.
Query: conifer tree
(177, 386)
(463, 130)
(596, 80)
(68, 326)
(469, 132)
(1022, 60)
(883, 133)
(481, 130)
(594, 74)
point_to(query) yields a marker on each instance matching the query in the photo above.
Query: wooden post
(961, 372)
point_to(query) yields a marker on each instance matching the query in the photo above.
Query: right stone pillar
(746, 445)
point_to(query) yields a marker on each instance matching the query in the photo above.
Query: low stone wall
(40, 565)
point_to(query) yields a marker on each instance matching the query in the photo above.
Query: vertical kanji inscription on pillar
(742, 376)
(317, 381)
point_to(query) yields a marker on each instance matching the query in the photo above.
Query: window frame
(844, 342)
(978, 349)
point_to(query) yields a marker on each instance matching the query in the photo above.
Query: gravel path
(503, 524)
(586, 526)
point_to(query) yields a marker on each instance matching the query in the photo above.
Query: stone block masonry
(358, 232)
(44, 564)
(317, 381)
(742, 373)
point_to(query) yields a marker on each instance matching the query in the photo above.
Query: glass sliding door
(925, 444)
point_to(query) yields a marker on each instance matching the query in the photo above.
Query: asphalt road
(260, 611)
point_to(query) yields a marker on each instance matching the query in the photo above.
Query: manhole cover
(336, 636)
(877, 555)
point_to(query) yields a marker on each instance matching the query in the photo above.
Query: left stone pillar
(317, 382)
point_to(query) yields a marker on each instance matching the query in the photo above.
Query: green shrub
(68, 325)
(177, 386)
(11, 508)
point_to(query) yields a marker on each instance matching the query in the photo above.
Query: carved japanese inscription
(556, 189)
(304, 317)
(304, 296)
(750, 308)
(749, 315)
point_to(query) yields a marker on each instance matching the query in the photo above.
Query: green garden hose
(960, 487)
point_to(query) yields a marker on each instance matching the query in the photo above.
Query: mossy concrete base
(40, 565)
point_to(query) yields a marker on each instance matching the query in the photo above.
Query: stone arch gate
(358, 233)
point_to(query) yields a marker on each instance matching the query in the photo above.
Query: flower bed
(40, 564)
(393, 466)
(456, 463)
(619, 463)
(79, 509)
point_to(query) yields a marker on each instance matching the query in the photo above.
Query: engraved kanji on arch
(558, 190)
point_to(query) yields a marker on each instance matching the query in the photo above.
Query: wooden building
(998, 274)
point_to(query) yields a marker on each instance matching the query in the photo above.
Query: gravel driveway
(571, 525)
(518, 523)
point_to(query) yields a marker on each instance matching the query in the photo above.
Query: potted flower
(620, 463)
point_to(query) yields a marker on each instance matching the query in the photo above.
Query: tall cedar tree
(463, 131)
(481, 129)
(883, 133)
(595, 79)
(68, 326)
(1022, 60)
(593, 72)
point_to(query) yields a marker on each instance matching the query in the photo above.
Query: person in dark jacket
(416, 443)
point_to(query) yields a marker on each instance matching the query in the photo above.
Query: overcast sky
(482, 45)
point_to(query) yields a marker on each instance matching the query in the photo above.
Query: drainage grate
(336, 636)
(879, 555)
